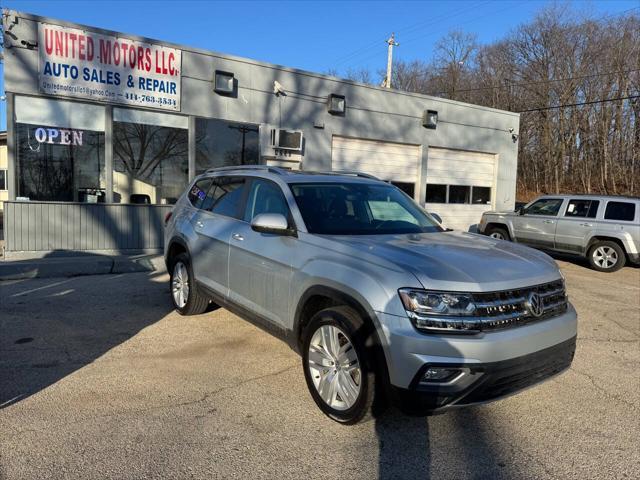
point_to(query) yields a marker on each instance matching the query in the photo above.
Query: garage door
(460, 186)
(395, 162)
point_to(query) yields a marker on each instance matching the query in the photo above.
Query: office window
(3, 180)
(481, 195)
(582, 208)
(459, 193)
(220, 143)
(150, 163)
(60, 164)
(436, 193)
(625, 211)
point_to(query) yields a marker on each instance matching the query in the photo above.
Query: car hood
(458, 260)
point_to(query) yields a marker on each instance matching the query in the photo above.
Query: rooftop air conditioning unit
(286, 139)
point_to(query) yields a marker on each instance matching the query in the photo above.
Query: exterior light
(430, 119)
(224, 83)
(336, 104)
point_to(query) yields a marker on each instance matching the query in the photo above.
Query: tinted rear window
(625, 211)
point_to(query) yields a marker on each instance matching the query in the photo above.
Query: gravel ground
(100, 379)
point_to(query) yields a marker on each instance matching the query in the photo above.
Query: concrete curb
(74, 266)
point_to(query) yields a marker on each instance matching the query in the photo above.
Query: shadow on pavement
(52, 327)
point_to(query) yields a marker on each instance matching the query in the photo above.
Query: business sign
(79, 63)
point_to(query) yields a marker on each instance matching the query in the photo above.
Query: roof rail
(350, 172)
(276, 170)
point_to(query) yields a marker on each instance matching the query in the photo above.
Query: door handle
(199, 224)
(586, 225)
(237, 236)
(548, 221)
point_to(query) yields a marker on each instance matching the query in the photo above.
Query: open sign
(60, 136)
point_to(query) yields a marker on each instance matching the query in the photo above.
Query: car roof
(294, 176)
(588, 195)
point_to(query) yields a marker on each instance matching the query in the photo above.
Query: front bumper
(485, 382)
(407, 350)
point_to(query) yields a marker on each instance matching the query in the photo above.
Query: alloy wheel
(334, 367)
(180, 284)
(497, 235)
(605, 257)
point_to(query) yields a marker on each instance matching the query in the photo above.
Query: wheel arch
(319, 297)
(606, 238)
(499, 225)
(175, 246)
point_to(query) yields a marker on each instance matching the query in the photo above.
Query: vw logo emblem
(534, 304)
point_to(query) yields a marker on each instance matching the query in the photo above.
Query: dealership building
(105, 130)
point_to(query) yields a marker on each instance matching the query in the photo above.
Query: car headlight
(440, 311)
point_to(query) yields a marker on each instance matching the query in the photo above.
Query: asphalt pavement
(100, 379)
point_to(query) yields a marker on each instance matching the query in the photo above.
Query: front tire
(184, 292)
(338, 366)
(606, 256)
(498, 233)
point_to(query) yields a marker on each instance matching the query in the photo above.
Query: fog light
(439, 374)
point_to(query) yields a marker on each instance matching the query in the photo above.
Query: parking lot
(100, 379)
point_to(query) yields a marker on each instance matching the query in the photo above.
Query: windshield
(359, 209)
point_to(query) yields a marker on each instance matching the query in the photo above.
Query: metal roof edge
(211, 53)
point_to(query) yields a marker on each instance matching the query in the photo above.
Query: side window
(265, 197)
(227, 196)
(625, 211)
(198, 192)
(546, 206)
(582, 208)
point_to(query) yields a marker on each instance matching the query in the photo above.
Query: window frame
(469, 196)
(243, 196)
(5, 173)
(446, 193)
(591, 202)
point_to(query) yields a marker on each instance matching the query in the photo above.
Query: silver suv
(380, 301)
(604, 229)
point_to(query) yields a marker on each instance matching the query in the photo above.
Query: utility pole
(392, 43)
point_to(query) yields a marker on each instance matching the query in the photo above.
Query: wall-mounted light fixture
(336, 104)
(224, 83)
(430, 119)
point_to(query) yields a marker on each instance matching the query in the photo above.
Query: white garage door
(460, 186)
(396, 162)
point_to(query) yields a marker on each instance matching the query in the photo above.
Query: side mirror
(437, 217)
(522, 211)
(271, 223)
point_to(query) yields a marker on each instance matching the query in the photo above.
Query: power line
(408, 29)
(540, 82)
(630, 97)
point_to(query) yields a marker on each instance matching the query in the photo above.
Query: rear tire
(338, 364)
(606, 256)
(499, 233)
(185, 296)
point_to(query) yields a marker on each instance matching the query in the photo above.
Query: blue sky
(315, 36)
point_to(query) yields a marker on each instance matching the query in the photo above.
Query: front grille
(508, 308)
